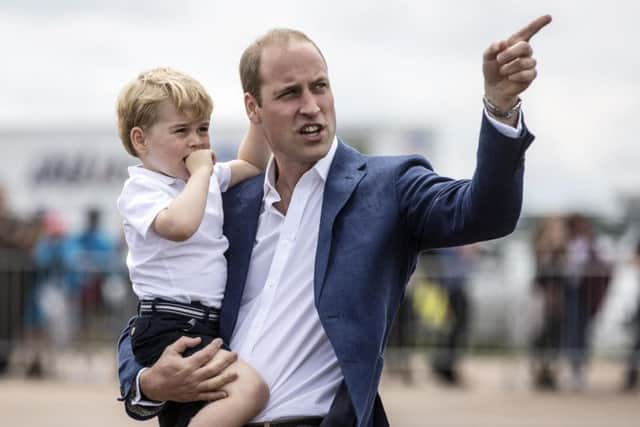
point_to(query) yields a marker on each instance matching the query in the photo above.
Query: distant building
(67, 170)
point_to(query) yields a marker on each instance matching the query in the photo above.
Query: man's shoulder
(249, 188)
(380, 163)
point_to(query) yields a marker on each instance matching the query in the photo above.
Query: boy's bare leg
(247, 396)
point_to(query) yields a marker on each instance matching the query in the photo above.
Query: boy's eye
(180, 130)
(204, 129)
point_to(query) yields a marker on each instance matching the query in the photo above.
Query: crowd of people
(573, 268)
(52, 284)
(572, 277)
(18, 237)
(51, 271)
(59, 272)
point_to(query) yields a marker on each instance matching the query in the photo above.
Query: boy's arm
(253, 155)
(181, 219)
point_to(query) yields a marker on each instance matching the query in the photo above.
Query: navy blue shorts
(152, 332)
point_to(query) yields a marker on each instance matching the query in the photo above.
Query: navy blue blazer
(378, 213)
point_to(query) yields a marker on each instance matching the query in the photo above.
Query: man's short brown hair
(137, 104)
(250, 60)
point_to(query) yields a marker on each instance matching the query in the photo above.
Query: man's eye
(286, 94)
(322, 85)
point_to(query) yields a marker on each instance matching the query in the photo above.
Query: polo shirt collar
(140, 170)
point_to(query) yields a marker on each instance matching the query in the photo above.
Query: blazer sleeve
(128, 370)
(440, 211)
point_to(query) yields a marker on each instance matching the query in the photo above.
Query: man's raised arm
(509, 69)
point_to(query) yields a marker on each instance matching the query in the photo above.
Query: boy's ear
(138, 140)
(253, 108)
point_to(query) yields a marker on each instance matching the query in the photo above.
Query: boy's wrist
(205, 171)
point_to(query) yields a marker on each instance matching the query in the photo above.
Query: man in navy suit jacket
(322, 246)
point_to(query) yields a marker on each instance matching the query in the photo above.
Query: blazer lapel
(347, 169)
(241, 211)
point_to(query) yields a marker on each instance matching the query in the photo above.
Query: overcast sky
(401, 62)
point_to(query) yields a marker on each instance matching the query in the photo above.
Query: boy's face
(169, 141)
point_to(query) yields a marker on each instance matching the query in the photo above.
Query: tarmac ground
(496, 393)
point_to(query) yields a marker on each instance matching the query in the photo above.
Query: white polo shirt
(188, 271)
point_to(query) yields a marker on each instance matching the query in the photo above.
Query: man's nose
(310, 105)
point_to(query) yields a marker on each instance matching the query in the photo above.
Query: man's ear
(252, 108)
(138, 140)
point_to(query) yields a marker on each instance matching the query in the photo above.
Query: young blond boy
(172, 210)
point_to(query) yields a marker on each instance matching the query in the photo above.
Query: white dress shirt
(279, 331)
(193, 270)
(506, 130)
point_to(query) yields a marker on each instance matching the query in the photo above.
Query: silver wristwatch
(497, 112)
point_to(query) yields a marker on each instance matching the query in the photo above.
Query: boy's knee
(258, 391)
(252, 390)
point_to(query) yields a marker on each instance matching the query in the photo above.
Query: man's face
(171, 139)
(297, 114)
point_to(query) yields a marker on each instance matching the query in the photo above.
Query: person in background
(549, 283)
(93, 263)
(455, 266)
(48, 323)
(18, 235)
(588, 276)
(633, 364)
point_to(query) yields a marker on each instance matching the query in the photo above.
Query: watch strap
(497, 112)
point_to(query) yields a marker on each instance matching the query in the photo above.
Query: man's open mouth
(311, 129)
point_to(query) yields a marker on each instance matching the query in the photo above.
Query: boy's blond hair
(137, 104)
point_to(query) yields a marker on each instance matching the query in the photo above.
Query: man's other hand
(199, 376)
